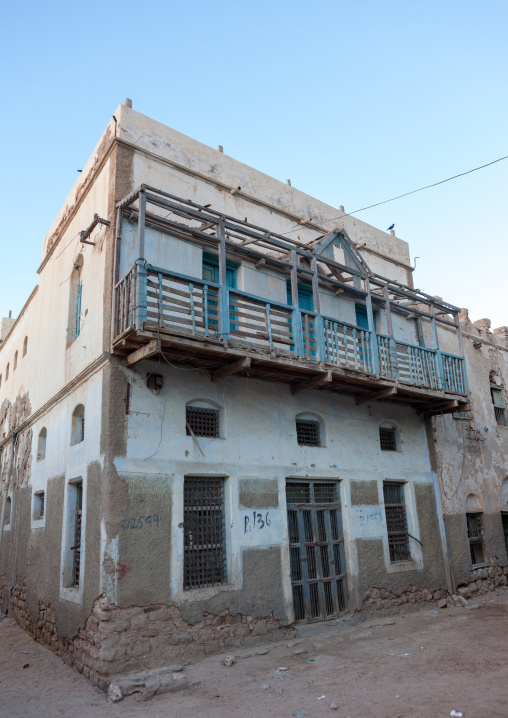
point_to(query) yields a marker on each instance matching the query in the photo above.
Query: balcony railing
(150, 298)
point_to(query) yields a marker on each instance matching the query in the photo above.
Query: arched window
(41, 444)
(310, 430)
(78, 425)
(6, 372)
(75, 292)
(25, 346)
(204, 418)
(8, 507)
(389, 436)
(475, 535)
(15, 361)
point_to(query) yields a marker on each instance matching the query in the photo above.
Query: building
(470, 459)
(214, 413)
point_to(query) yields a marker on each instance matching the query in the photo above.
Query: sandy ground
(422, 665)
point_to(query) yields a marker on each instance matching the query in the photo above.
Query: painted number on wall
(139, 522)
(258, 521)
(373, 518)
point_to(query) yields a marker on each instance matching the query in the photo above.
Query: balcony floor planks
(184, 349)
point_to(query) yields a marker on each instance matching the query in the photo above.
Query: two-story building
(214, 413)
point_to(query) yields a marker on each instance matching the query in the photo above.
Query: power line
(420, 189)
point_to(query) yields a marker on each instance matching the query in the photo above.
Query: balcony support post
(223, 281)
(319, 330)
(437, 354)
(372, 331)
(296, 321)
(461, 352)
(141, 265)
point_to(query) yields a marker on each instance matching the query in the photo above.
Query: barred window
(388, 438)
(396, 522)
(39, 506)
(202, 422)
(204, 531)
(499, 403)
(78, 425)
(475, 536)
(308, 433)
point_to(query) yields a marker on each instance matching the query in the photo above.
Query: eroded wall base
(119, 640)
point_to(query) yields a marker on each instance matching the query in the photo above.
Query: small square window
(387, 438)
(307, 432)
(202, 422)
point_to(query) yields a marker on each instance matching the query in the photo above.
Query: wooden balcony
(192, 323)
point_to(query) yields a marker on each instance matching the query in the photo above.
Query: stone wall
(482, 581)
(119, 640)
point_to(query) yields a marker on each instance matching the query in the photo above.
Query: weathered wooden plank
(315, 383)
(143, 353)
(384, 394)
(230, 369)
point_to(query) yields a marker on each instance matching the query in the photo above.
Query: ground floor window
(475, 536)
(204, 532)
(396, 521)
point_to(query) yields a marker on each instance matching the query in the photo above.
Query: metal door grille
(204, 532)
(396, 522)
(203, 422)
(475, 535)
(76, 562)
(307, 433)
(316, 549)
(387, 439)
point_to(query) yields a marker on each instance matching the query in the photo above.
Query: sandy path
(424, 665)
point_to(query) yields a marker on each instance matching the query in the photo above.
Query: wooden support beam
(384, 394)
(230, 369)
(314, 383)
(444, 407)
(143, 353)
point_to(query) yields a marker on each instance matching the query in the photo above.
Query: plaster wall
(258, 449)
(158, 145)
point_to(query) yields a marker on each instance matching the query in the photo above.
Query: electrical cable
(392, 199)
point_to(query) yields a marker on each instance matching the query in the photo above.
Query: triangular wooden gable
(339, 238)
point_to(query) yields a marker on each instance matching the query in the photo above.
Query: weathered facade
(215, 412)
(469, 453)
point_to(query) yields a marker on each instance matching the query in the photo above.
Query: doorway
(316, 548)
(504, 519)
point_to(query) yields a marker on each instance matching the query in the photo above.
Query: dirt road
(422, 665)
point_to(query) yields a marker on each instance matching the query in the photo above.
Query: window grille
(396, 522)
(40, 505)
(203, 422)
(305, 492)
(475, 536)
(499, 405)
(307, 432)
(204, 532)
(76, 562)
(387, 438)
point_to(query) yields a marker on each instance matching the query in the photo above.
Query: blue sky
(355, 102)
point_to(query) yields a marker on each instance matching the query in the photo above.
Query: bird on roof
(390, 227)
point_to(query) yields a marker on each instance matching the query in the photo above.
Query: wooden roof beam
(384, 394)
(230, 369)
(143, 353)
(314, 383)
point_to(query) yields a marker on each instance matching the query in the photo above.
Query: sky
(355, 102)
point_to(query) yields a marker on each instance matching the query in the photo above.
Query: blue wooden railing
(152, 298)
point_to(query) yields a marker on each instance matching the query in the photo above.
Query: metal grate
(500, 414)
(387, 438)
(396, 522)
(304, 492)
(307, 432)
(41, 506)
(203, 422)
(76, 562)
(475, 536)
(316, 550)
(204, 532)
